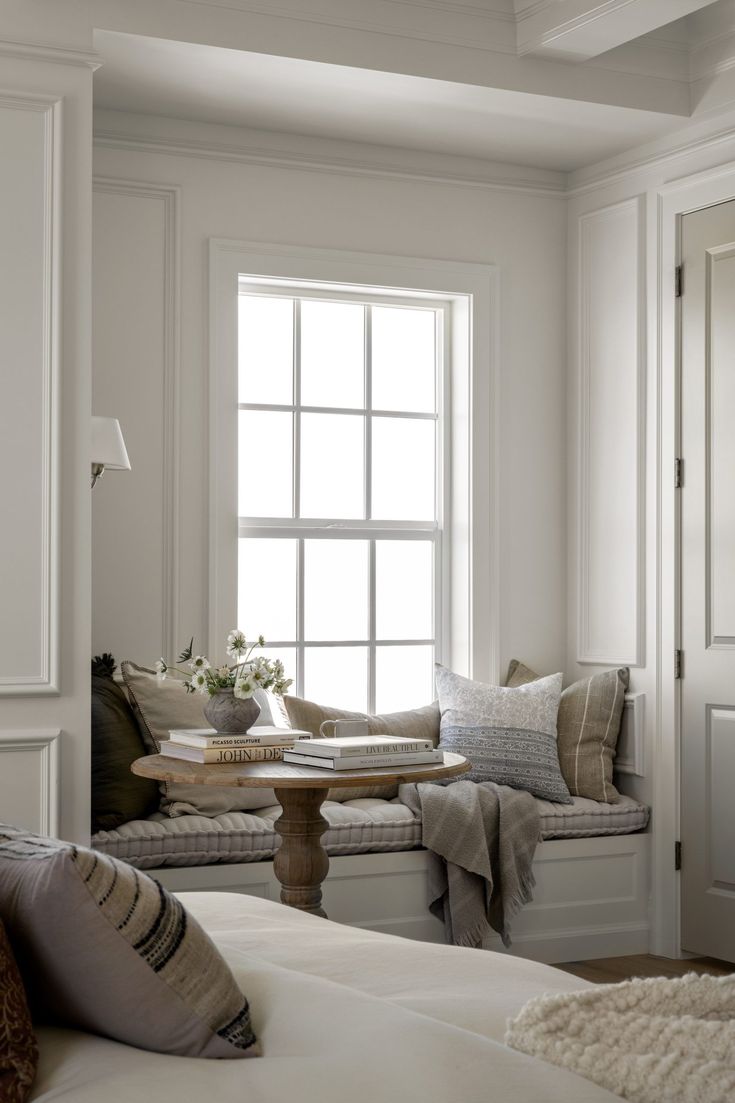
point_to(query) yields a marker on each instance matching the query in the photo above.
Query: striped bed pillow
(102, 947)
(590, 715)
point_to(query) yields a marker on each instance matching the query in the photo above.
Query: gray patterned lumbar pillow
(508, 735)
(590, 715)
(104, 948)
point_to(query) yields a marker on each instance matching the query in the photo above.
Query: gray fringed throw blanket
(481, 838)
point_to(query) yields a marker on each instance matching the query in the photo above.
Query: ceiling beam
(468, 49)
(577, 30)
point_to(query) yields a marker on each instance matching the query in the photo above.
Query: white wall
(621, 340)
(45, 376)
(522, 233)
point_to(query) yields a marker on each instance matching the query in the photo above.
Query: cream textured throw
(482, 838)
(650, 1041)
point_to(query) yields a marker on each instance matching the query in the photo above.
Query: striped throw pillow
(590, 715)
(105, 949)
(508, 735)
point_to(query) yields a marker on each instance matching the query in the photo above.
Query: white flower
(237, 645)
(223, 671)
(199, 662)
(161, 669)
(199, 682)
(244, 687)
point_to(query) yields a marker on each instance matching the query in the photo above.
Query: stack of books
(363, 752)
(261, 744)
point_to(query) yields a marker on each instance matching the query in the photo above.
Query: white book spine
(332, 750)
(363, 762)
(286, 739)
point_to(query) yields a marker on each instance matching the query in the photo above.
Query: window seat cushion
(367, 825)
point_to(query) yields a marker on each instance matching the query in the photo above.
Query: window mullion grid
(296, 428)
(372, 657)
(300, 656)
(300, 663)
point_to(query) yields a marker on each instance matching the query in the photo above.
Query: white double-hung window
(343, 488)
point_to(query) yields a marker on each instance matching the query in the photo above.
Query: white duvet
(344, 1016)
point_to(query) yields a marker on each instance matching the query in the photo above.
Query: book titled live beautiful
(360, 762)
(362, 745)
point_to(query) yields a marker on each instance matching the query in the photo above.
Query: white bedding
(343, 1015)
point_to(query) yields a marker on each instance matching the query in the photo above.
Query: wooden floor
(611, 970)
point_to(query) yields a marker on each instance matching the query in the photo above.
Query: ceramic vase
(229, 714)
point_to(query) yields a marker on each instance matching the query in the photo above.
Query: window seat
(355, 827)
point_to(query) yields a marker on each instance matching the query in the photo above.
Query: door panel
(720, 445)
(708, 581)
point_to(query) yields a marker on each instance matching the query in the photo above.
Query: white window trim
(470, 633)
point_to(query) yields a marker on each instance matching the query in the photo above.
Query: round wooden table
(301, 863)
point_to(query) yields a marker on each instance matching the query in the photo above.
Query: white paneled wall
(45, 380)
(29, 426)
(622, 601)
(610, 472)
(224, 196)
(135, 352)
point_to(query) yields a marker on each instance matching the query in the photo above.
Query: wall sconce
(108, 447)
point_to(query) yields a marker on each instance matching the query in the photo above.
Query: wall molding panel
(29, 431)
(170, 198)
(611, 444)
(631, 750)
(29, 768)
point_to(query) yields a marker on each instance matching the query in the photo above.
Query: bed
(341, 1013)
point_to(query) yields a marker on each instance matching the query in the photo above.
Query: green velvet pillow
(117, 794)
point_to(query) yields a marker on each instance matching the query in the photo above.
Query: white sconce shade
(108, 447)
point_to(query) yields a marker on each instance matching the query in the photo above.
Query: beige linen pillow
(588, 726)
(161, 706)
(105, 949)
(420, 723)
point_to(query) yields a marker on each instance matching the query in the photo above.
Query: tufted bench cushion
(355, 827)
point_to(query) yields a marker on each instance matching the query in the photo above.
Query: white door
(708, 581)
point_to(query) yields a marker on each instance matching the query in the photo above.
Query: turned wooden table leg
(301, 863)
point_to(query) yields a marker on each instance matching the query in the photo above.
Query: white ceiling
(286, 94)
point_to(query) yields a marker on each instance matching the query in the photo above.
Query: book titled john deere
(262, 744)
(363, 752)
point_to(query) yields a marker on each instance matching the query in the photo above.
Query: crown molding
(460, 24)
(666, 151)
(174, 138)
(61, 55)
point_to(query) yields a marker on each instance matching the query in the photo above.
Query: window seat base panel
(590, 900)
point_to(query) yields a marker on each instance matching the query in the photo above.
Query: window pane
(332, 354)
(336, 589)
(266, 602)
(404, 678)
(404, 585)
(332, 465)
(403, 469)
(265, 349)
(265, 464)
(337, 676)
(404, 373)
